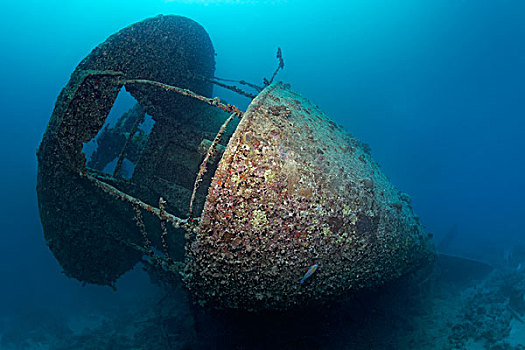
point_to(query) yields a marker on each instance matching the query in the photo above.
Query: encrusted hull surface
(293, 190)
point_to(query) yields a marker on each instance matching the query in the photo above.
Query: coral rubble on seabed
(491, 315)
(434, 313)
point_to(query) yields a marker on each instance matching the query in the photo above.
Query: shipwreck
(262, 209)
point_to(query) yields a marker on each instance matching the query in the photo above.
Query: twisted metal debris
(216, 102)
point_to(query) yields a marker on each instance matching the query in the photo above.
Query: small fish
(310, 272)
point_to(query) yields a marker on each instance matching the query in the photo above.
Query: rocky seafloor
(449, 309)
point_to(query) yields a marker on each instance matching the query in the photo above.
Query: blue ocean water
(436, 88)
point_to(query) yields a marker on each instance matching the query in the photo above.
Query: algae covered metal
(292, 190)
(262, 210)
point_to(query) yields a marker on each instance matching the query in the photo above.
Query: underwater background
(436, 88)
